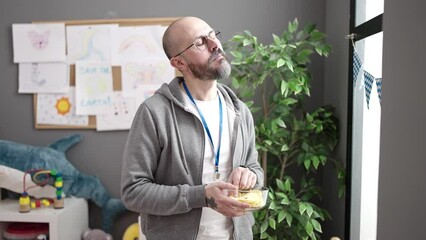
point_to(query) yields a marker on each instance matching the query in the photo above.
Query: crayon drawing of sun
(63, 106)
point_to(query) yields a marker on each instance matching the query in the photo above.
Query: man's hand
(217, 197)
(243, 178)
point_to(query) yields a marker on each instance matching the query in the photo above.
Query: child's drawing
(59, 109)
(43, 78)
(35, 75)
(146, 72)
(134, 43)
(89, 42)
(94, 87)
(121, 117)
(38, 42)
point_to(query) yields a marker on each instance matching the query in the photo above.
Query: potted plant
(287, 136)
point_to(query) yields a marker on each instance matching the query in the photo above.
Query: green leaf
(289, 219)
(287, 185)
(317, 35)
(277, 40)
(280, 63)
(292, 26)
(309, 117)
(289, 101)
(280, 122)
(284, 148)
(315, 162)
(323, 159)
(264, 225)
(307, 163)
(284, 87)
(272, 223)
(264, 235)
(246, 42)
(280, 184)
(303, 55)
(305, 146)
(309, 229)
(302, 208)
(281, 216)
(316, 225)
(237, 54)
(235, 83)
(290, 66)
(285, 201)
(309, 210)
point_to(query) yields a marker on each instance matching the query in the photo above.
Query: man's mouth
(216, 57)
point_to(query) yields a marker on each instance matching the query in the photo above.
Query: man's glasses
(201, 42)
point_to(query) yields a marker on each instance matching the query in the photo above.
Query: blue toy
(25, 157)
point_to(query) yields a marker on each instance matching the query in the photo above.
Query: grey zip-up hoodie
(163, 163)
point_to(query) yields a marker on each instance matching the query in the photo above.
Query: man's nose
(212, 44)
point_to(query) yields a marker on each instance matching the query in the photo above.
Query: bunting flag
(356, 67)
(368, 82)
(368, 79)
(379, 88)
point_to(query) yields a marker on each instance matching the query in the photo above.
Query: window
(364, 111)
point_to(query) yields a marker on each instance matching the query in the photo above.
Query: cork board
(116, 70)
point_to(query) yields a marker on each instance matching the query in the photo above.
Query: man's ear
(177, 63)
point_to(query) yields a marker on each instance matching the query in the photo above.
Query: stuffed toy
(25, 157)
(95, 234)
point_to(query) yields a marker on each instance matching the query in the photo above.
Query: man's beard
(207, 72)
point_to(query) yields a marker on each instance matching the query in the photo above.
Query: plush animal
(25, 157)
(95, 234)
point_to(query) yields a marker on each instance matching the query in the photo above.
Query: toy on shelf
(41, 178)
(16, 158)
(95, 234)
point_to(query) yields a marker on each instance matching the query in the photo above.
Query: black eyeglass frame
(204, 39)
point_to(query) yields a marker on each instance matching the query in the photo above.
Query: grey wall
(99, 153)
(402, 176)
(336, 94)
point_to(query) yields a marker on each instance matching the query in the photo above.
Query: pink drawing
(39, 41)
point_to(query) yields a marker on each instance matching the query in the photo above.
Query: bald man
(190, 145)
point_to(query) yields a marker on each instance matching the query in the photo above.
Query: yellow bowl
(256, 197)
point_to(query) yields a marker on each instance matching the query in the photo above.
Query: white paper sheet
(122, 116)
(137, 42)
(145, 72)
(59, 109)
(89, 42)
(94, 88)
(38, 42)
(43, 78)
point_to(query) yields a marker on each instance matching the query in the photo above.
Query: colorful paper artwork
(59, 109)
(69, 67)
(93, 87)
(89, 42)
(145, 72)
(121, 117)
(137, 42)
(43, 78)
(38, 42)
